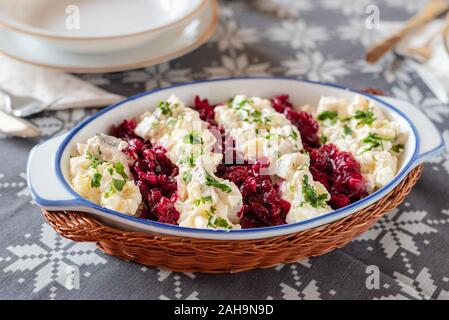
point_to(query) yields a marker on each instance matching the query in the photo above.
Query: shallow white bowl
(173, 43)
(48, 164)
(104, 25)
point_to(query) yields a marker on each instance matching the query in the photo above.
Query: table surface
(318, 40)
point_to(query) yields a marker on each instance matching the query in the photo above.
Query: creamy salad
(260, 131)
(360, 127)
(171, 165)
(101, 174)
(204, 200)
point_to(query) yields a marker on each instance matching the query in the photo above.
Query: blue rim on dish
(79, 200)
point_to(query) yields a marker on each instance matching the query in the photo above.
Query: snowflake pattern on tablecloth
(161, 75)
(390, 70)
(237, 65)
(51, 260)
(314, 66)
(18, 184)
(432, 107)
(317, 40)
(395, 231)
(298, 34)
(230, 35)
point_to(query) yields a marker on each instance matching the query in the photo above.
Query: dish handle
(431, 141)
(46, 189)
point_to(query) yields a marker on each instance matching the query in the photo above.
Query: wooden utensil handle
(433, 9)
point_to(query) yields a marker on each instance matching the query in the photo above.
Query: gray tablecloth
(318, 40)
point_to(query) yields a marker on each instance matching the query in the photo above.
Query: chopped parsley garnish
(110, 191)
(111, 171)
(242, 103)
(347, 131)
(96, 179)
(331, 115)
(118, 184)
(212, 182)
(222, 223)
(193, 138)
(255, 116)
(310, 195)
(165, 108)
(120, 169)
(95, 160)
(201, 200)
(187, 177)
(190, 160)
(271, 136)
(374, 140)
(219, 222)
(323, 139)
(209, 221)
(364, 117)
(397, 147)
(294, 135)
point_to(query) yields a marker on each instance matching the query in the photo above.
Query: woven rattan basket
(218, 256)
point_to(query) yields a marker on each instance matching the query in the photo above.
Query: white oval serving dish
(48, 163)
(93, 26)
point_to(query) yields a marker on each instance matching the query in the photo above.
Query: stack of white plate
(103, 35)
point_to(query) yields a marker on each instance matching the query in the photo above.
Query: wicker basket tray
(218, 256)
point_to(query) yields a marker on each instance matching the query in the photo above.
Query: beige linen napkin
(48, 85)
